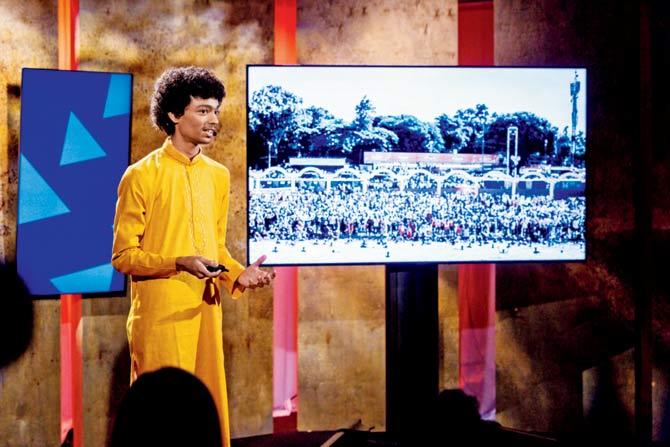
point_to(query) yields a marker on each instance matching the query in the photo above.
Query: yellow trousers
(175, 329)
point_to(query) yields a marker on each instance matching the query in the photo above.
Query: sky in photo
(427, 92)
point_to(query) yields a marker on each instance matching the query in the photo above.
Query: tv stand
(412, 357)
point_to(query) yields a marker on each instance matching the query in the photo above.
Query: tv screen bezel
(587, 168)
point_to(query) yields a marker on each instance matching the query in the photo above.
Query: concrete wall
(565, 331)
(143, 38)
(30, 387)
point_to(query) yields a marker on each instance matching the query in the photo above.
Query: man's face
(200, 122)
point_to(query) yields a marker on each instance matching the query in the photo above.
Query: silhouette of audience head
(454, 419)
(16, 318)
(167, 407)
(457, 407)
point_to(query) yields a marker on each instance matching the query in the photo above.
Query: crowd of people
(312, 212)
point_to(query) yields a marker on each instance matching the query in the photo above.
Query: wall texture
(27, 33)
(143, 38)
(341, 323)
(377, 32)
(565, 332)
(29, 388)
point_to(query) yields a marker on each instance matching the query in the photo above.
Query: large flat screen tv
(412, 164)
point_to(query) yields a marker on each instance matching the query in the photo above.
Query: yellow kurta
(170, 206)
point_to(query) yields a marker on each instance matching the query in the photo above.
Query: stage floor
(488, 434)
(294, 439)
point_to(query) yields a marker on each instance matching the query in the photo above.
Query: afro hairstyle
(173, 91)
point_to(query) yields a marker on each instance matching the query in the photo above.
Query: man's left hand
(253, 277)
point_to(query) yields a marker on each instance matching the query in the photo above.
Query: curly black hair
(174, 89)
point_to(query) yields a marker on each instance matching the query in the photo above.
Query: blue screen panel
(74, 148)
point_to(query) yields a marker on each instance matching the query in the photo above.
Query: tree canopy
(280, 127)
(273, 112)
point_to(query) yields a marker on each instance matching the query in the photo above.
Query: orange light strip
(286, 19)
(68, 34)
(477, 282)
(285, 290)
(71, 367)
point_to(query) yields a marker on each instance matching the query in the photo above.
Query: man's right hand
(196, 266)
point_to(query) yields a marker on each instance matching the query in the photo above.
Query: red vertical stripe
(286, 17)
(68, 34)
(285, 341)
(475, 33)
(477, 354)
(71, 369)
(476, 283)
(285, 298)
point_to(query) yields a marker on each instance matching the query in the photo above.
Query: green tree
(413, 134)
(473, 124)
(375, 139)
(453, 136)
(329, 141)
(533, 132)
(362, 136)
(364, 114)
(272, 116)
(311, 123)
(564, 147)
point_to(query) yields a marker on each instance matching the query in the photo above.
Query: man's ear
(173, 117)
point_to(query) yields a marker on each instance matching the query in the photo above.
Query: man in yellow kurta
(170, 225)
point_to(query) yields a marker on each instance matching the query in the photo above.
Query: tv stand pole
(412, 357)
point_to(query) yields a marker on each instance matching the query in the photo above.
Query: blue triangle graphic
(118, 96)
(37, 200)
(94, 279)
(79, 143)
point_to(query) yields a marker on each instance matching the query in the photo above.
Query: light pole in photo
(574, 91)
(513, 133)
